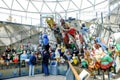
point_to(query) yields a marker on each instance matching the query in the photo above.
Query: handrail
(12, 65)
(74, 71)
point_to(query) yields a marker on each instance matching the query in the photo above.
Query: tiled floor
(40, 77)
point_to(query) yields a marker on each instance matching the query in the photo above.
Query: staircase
(12, 32)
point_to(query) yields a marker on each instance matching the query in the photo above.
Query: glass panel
(36, 22)
(64, 4)
(59, 8)
(2, 4)
(45, 9)
(113, 6)
(8, 2)
(99, 1)
(16, 6)
(85, 4)
(85, 16)
(77, 2)
(71, 14)
(26, 20)
(16, 19)
(72, 6)
(24, 3)
(52, 6)
(3, 16)
(102, 7)
(31, 8)
(38, 5)
(93, 1)
(36, 16)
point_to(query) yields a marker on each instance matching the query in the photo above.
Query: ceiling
(32, 11)
(29, 11)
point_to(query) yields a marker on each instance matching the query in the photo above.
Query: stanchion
(19, 66)
(108, 75)
(98, 71)
(103, 75)
(114, 69)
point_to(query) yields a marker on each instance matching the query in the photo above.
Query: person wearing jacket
(32, 62)
(45, 62)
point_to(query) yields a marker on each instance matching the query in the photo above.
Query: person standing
(45, 62)
(32, 63)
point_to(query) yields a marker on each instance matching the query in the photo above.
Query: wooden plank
(74, 71)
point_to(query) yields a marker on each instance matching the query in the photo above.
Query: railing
(18, 69)
(13, 65)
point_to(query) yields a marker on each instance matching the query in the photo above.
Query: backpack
(33, 61)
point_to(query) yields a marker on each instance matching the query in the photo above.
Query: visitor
(45, 62)
(32, 63)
